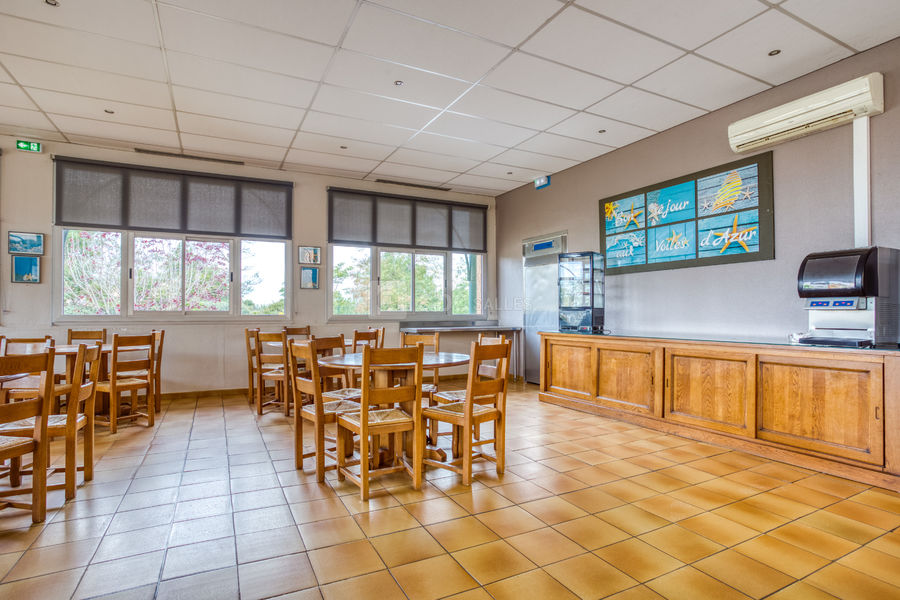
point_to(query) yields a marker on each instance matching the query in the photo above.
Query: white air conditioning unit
(817, 112)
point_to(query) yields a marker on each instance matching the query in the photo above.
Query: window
(351, 278)
(92, 273)
(468, 279)
(262, 278)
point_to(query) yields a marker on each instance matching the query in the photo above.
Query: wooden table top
(430, 360)
(72, 349)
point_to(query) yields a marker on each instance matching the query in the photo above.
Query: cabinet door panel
(830, 407)
(627, 377)
(570, 370)
(714, 391)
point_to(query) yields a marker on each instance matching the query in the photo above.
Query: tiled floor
(208, 505)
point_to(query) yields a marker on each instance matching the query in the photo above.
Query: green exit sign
(28, 146)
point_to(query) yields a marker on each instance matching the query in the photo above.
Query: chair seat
(333, 408)
(33, 383)
(273, 374)
(429, 388)
(458, 409)
(11, 444)
(26, 426)
(141, 373)
(344, 394)
(124, 383)
(384, 416)
(458, 396)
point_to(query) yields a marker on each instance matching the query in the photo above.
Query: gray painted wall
(813, 212)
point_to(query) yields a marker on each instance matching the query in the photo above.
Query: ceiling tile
(587, 127)
(442, 144)
(86, 82)
(310, 19)
(686, 23)
(386, 34)
(407, 156)
(349, 103)
(324, 171)
(226, 78)
(468, 189)
(24, 118)
(487, 102)
(355, 129)
(234, 130)
(331, 144)
(532, 76)
(93, 108)
(334, 161)
(520, 174)
(81, 49)
(538, 162)
(12, 95)
(645, 109)
(700, 82)
(394, 170)
(566, 147)
(241, 44)
(115, 131)
(505, 21)
(746, 48)
(239, 109)
(131, 20)
(868, 24)
(4, 78)
(486, 183)
(585, 41)
(231, 148)
(34, 133)
(480, 130)
(357, 71)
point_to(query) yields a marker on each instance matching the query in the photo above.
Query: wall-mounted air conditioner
(817, 112)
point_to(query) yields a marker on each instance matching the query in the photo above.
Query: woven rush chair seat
(459, 409)
(16, 443)
(448, 396)
(336, 407)
(381, 417)
(344, 394)
(26, 425)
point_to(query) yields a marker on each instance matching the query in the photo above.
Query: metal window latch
(130, 273)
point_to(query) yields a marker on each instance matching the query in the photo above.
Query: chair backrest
(37, 406)
(391, 359)
(380, 332)
(329, 346)
(489, 369)
(85, 374)
(20, 346)
(75, 335)
(487, 388)
(159, 336)
(271, 349)
(132, 353)
(306, 381)
(293, 332)
(431, 341)
(365, 338)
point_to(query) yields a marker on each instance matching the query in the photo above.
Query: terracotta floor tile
(330, 532)
(267, 578)
(202, 556)
(258, 499)
(701, 498)
(130, 543)
(719, 529)
(492, 561)
(270, 543)
(260, 519)
(116, 575)
(683, 544)
(55, 585)
(379, 585)
(687, 474)
(754, 480)
(875, 564)
(461, 533)
(864, 513)
(563, 463)
(201, 530)
(814, 540)
(632, 519)
(659, 481)
(879, 499)
(638, 559)
(433, 578)
(743, 573)
(750, 516)
(317, 510)
(479, 501)
(627, 490)
(594, 475)
(553, 510)
(591, 532)
(510, 521)
(545, 546)
(829, 484)
(436, 510)
(522, 491)
(203, 507)
(533, 584)
(638, 592)
(779, 505)
(258, 482)
(688, 583)
(7, 561)
(559, 483)
(835, 524)
(344, 561)
(667, 507)
(55, 533)
(308, 491)
(406, 546)
(389, 520)
(782, 556)
(654, 462)
(378, 499)
(592, 499)
(590, 576)
(50, 559)
(211, 585)
(782, 471)
(888, 543)
(476, 594)
(801, 591)
(844, 582)
(805, 495)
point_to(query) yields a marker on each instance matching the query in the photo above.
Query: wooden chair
(380, 332)
(35, 442)
(79, 415)
(379, 390)
(159, 336)
(297, 332)
(252, 364)
(272, 360)
(74, 336)
(368, 337)
(431, 342)
(308, 383)
(131, 355)
(9, 346)
(485, 401)
(336, 381)
(27, 387)
(485, 369)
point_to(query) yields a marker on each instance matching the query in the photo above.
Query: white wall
(198, 356)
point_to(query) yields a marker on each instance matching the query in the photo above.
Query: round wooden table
(430, 360)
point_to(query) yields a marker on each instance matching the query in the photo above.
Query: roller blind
(94, 194)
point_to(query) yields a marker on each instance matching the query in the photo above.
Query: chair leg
(71, 463)
(467, 455)
(364, 467)
(500, 444)
(341, 452)
(151, 412)
(157, 394)
(39, 483)
(260, 389)
(418, 455)
(298, 441)
(320, 449)
(15, 468)
(89, 448)
(113, 412)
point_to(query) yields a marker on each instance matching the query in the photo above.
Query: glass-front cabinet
(581, 288)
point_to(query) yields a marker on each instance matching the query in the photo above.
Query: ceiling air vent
(192, 156)
(415, 185)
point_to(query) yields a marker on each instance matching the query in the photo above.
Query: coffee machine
(852, 297)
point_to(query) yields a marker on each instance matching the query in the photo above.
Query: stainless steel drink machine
(852, 297)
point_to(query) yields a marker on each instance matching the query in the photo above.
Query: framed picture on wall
(309, 278)
(25, 243)
(310, 255)
(26, 269)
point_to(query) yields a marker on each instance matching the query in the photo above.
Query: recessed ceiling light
(109, 111)
(52, 2)
(398, 82)
(343, 147)
(601, 131)
(774, 52)
(509, 172)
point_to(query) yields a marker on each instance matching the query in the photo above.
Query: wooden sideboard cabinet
(629, 377)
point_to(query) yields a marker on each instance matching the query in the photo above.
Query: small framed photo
(26, 269)
(25, 243)
(309, 278)
(310, 255)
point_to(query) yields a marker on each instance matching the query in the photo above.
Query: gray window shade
(431, 225)
(89, 194)
(394, 221)
(351, 218)
(131, 197)
(468, 229)
(154, 201)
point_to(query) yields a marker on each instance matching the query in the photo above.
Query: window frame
(129, 315)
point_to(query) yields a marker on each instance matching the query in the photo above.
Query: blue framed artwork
(26, 269)
(309, 278)
(25, 243)
(719, 215)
